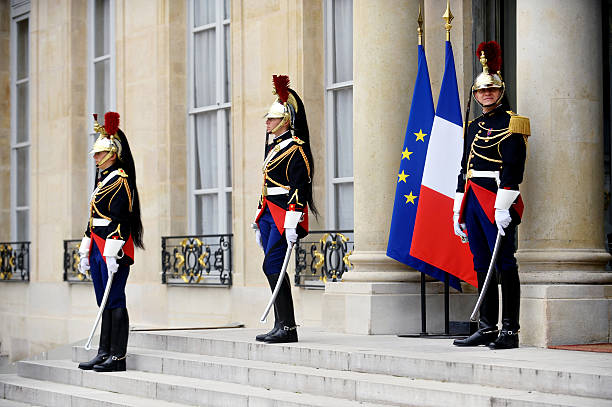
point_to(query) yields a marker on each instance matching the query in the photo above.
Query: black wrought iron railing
(323, 256)
(197, 260)
(71, 263)
(14, 261)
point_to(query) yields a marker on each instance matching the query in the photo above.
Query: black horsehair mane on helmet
(111, 125)
(299, 127)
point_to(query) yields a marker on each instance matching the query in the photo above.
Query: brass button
(471, 165)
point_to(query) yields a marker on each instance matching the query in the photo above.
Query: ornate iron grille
(71, 263)
(323, 256)
(203, 260)
(15, 261)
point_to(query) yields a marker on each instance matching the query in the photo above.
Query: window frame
(15, 145)
(331, 88)
(91, 80)
(223, 116)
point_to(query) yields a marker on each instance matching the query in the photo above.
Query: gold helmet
(108, 139)
(490, 56)
(285, 106)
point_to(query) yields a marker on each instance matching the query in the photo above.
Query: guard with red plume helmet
(107, 248)
(282, 213)
(488, 205)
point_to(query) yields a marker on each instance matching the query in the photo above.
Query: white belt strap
(100, 222)
(484, 174)
(276, 191)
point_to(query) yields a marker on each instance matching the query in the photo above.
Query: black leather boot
(511, 304)
(506, 340)
(119, 339)
(489, 312)
(261, 337)
(287, 331)
(105, 339)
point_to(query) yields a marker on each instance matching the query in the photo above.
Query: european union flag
(410, 175)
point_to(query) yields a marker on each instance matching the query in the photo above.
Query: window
(20, 128)
(101, 68)
(209, 152)
(339, 111)
(496, 21)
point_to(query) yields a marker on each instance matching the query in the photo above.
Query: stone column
(566, 291)
(381, 295)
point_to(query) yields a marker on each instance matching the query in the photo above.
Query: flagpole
(448, 17)
(420, 27)
(423, 293)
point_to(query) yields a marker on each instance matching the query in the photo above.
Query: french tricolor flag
(434, 240)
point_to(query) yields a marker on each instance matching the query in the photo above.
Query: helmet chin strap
(106, 158)
(279, 125)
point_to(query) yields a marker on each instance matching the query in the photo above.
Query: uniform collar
(500, 108)
(108, 170)
(282, 137)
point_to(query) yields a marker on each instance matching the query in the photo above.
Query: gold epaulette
(122, 173)
(297, 140)
(519, 124)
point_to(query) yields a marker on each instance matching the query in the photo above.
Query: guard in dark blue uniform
(282, 214)
(488, 200)
(114, 228)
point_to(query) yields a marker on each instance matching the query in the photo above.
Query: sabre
(102, 306)
(488, 278)
(278, 283)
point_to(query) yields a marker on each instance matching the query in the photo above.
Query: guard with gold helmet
(113, 229)
(282, 213)
(488, 201)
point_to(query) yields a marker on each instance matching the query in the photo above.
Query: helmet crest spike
(493, 55)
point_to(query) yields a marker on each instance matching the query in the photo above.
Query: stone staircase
(228, 368)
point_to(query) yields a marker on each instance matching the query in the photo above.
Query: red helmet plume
(281, 87)
(493, 53)
(111, 123)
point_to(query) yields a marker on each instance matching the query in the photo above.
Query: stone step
(44, 393)
(178, 389)
(12, 403)
(208, 374)
(524, 369)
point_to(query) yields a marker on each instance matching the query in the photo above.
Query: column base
(560, 260)
(565, 314)
(379, 308)
(383, 297)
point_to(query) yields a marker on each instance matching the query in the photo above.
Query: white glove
(291, 235)
(84, 263)
(502, 219)
(459, 228)
(111, 265)
(258, 238)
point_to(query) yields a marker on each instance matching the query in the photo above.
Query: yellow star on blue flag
(420, 136)
(406, 153)
(410, 198)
